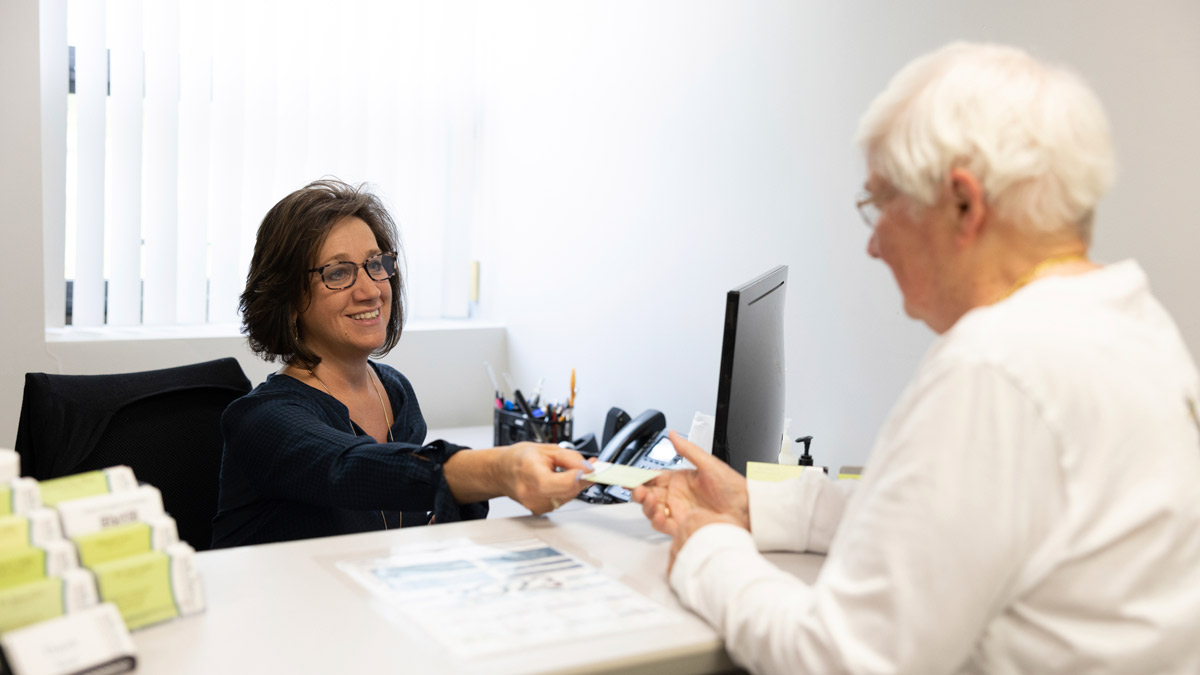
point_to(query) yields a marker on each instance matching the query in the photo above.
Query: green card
(75, 486)
(140, 587)
(14, 532)
(21, 566)
(112, 543)
(30, 603)
(619, 474)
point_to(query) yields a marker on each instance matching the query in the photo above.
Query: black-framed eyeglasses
(339, 276)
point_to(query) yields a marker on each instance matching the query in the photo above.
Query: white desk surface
(287, 608)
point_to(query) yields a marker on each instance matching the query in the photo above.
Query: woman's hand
(541, 477)
(680, 502)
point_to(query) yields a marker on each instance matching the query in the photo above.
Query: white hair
(1034, 135)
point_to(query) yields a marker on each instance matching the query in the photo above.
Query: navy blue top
(295, 466)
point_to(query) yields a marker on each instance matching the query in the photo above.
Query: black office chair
(164, 424)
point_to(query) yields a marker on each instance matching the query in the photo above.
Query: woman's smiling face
(351, 322)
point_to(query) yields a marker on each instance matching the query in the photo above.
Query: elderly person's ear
(968, 197)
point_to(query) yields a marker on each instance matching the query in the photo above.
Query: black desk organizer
(510, 427)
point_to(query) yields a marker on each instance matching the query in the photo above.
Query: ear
(971, 208)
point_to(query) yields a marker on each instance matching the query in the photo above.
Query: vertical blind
(181, 122)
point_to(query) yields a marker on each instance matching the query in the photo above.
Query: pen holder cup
(510, 426)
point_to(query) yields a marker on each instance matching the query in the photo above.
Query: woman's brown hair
(291, 235)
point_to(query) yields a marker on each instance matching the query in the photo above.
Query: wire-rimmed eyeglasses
(339, 276)
(869, 207)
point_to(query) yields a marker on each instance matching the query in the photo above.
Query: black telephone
(638, 442)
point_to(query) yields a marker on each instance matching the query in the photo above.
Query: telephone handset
(624, 444)
(657, 455)
(627, 444)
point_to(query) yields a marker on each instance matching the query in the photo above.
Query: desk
(287, 608)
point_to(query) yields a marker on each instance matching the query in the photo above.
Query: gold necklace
(1038, 268)
(386, 417)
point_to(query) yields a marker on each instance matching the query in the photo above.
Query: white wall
(643, 158)
(21, 339)
(442, 359)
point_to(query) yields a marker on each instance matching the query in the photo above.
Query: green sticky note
(14, 532)
(6, 500)
(112, 543)
(140, 587)
(619, 474)
(75, 486)
(772, 473)
(30, 603)
(21, 566)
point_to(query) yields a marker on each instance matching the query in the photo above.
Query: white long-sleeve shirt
(1031, 505)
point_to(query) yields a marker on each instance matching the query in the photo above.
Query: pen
(537, 393)
(492, 377)
(571, 399)
(524, 405)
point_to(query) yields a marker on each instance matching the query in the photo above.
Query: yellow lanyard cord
(1038, 268)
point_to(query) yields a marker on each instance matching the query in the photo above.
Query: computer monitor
(750, 392)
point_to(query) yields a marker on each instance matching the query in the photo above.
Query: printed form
(482, 599)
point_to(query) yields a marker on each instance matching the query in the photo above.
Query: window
(184, 121)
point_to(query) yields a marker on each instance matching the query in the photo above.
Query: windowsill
(226, 331)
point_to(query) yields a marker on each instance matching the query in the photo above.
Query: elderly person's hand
(542, 477)
(680, 502)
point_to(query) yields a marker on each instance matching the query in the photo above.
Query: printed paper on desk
(619, 474)
(480, 599)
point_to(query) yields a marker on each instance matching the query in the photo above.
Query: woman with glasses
(334, 443)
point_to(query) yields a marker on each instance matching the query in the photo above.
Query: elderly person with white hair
(1031, 503)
